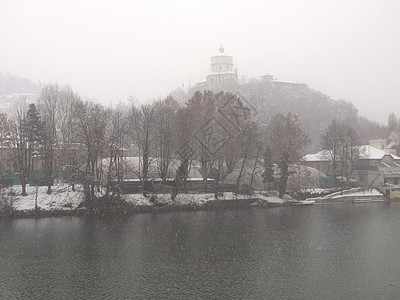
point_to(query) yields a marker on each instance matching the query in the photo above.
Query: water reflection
(349, 251)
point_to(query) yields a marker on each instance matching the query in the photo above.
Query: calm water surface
(318, 252)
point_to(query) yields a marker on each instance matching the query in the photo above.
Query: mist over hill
(14, 89)
(10, 84)
(315, 109)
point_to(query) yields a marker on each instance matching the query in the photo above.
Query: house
(392, 192)
(9, 166)
(373, 168)
(382, 144)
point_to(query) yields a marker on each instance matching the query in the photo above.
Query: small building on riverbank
(391, 191)
(373, 168)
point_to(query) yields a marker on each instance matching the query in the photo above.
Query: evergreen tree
(34, 127)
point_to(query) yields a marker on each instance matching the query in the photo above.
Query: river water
(314, 252)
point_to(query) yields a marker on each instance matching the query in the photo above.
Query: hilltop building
(223, 75)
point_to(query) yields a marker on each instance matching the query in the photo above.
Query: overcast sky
(110, 50)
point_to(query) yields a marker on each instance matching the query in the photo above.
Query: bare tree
(331, 142)
(217, 120)
(92, 120)
(6, 131)
(268, 175)
(182, 131)
(69, 151)
(349, 152)
(340, 140)
(48, 103)
(201, 109)
(115, 139)
(287, 141)
(249, 149)
(165, 112)
(143, 123)
(22, 148)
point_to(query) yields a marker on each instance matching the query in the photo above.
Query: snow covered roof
(323, 155)
(369, 152)
(366, 152)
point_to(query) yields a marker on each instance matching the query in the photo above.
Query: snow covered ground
(351, 194)
(199, 199)
(63, 198)
(357, 192)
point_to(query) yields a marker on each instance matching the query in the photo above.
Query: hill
(315, 109)
(14, 88)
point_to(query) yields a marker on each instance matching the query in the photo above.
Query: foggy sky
(110, 50)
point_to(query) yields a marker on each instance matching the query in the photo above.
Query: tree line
(83, 141)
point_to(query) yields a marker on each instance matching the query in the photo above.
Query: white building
(223, 75)
(373, 168)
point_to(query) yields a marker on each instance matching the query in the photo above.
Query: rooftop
(366, 152)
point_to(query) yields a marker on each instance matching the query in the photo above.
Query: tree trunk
(239, 178)
(254, 170)
(24, 189)
(284, 166)
(145, 170)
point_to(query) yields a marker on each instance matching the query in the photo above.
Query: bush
(6, 202)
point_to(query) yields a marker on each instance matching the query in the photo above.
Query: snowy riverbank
(354, 195)
(64, 201)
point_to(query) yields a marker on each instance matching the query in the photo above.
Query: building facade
(373, 168)
(223, 75)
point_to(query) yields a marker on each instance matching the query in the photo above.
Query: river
(313, 252)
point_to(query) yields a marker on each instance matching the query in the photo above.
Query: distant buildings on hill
(224, 76)
(15, 90)
(8, 103)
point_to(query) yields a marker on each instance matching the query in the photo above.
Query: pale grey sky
(110, 50)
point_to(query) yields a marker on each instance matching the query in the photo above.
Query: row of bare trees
(341, 142)
(85, 141)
